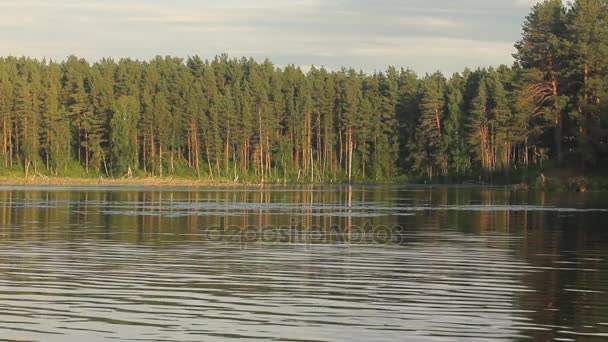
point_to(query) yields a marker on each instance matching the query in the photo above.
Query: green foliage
(123, 133)
(428, 149)
(241, 119)
(74, 169)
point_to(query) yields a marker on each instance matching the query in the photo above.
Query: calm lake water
(302, 264)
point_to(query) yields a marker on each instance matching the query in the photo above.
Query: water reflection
(307, 264)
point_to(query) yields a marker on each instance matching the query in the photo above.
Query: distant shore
(147, 181)
(551, 181)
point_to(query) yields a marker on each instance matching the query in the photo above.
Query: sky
(423, 35)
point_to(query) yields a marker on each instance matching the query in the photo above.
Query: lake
(309, 263)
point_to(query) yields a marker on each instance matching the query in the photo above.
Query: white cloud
(527, 3)
(424, 34)
(429, 23)
(438, 46)
(17, 21)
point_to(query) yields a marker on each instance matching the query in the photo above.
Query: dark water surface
(302, 264)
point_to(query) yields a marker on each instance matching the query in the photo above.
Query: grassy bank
(548, 178)
(146, 181)
(565, 177)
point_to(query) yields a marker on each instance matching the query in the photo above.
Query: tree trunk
(558, 130)
(86, 151)
(227, 149)
(350, 147)
(208, 154)
(160, 159)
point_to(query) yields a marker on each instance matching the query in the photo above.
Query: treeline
(238, 118)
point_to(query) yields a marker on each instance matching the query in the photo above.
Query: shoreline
(201, 183)
(148, 181)
(551, 184)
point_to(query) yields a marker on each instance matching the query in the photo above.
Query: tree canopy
(245, 119)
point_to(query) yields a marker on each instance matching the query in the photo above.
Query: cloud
(430, 23)
(17, 21)
(423, 34)
(527, 3)
(438, 53)
(442, 46)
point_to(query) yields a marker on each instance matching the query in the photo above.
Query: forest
(242, 119)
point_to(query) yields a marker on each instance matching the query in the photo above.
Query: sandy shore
(151, 181)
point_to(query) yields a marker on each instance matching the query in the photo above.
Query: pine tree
(27, 110)
(430, 154)
(408, 106)
(543, 47)
(8, 76)
(478, 128)
(123, 135)
(56, 133)
(454, 127)
(76, 98)
(386, 150)
(588, 38)
(500, 122)
(96, 119)
(349, 107)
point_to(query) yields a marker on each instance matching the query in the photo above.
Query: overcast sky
(424, 35)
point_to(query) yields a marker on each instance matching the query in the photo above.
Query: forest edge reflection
(548, 249)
